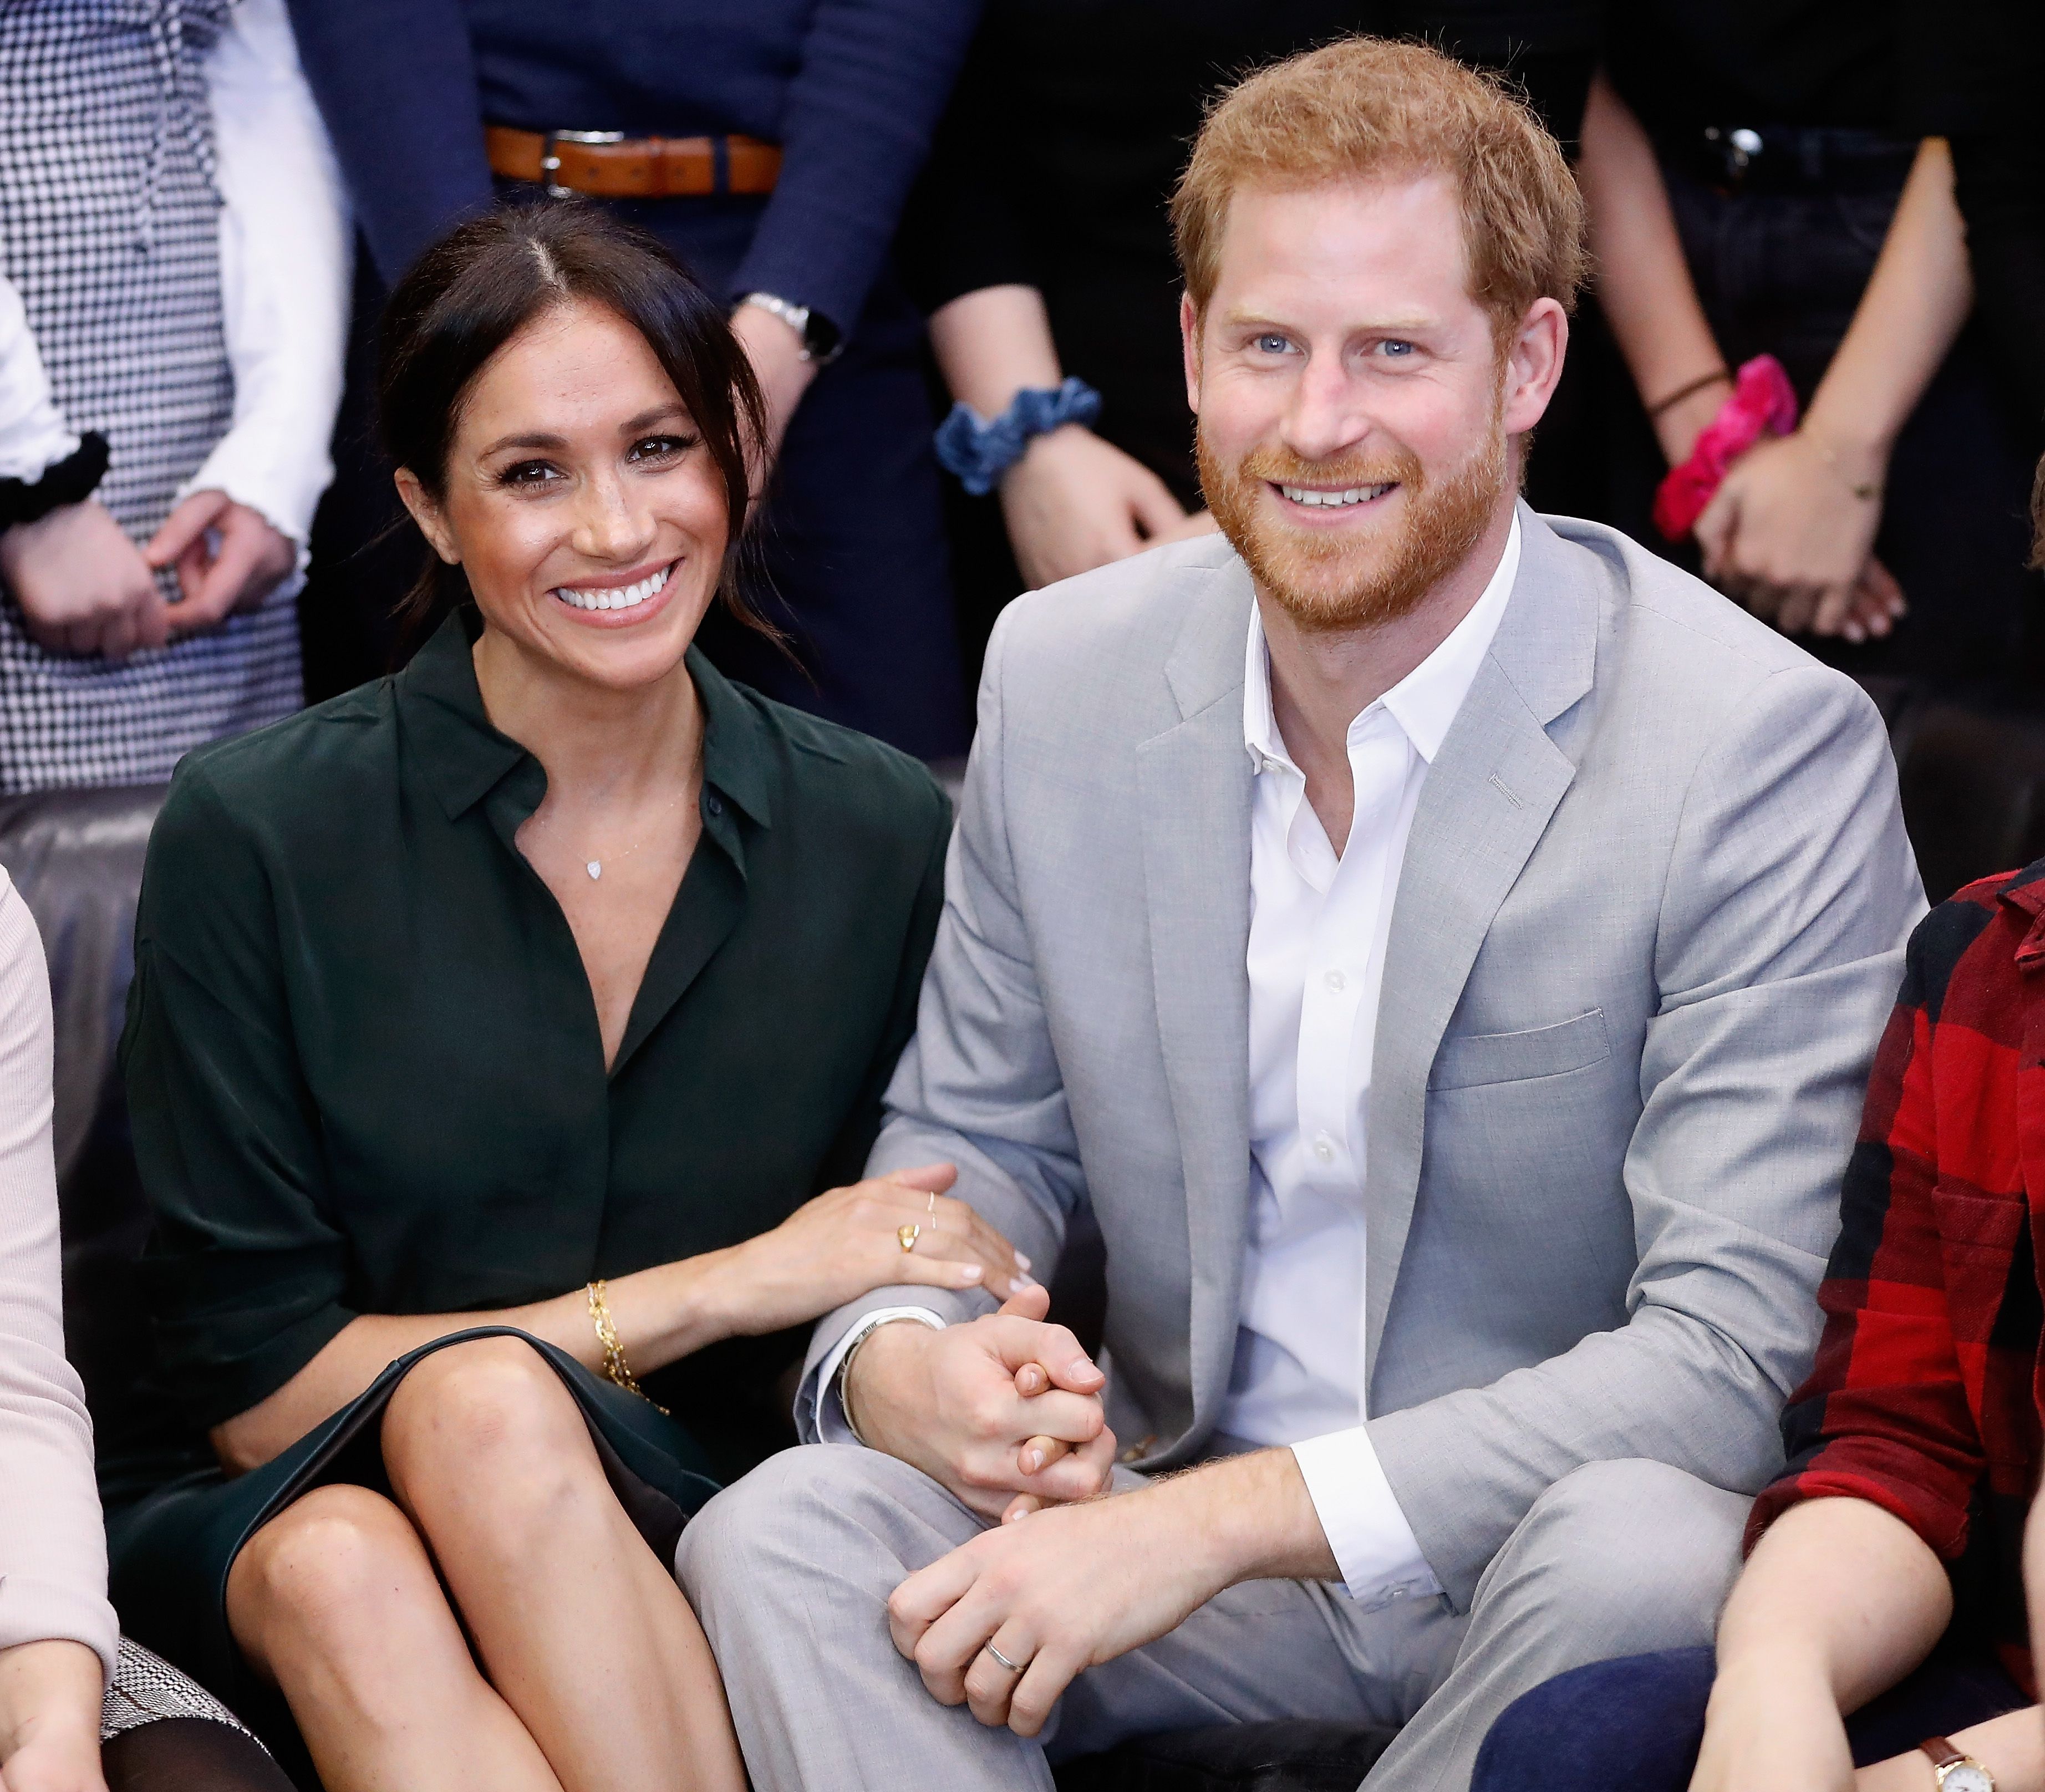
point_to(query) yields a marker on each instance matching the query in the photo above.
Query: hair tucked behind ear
(483, 283)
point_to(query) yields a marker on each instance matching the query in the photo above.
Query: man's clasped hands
(1006, 1412)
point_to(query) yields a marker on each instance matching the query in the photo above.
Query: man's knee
(820, 1510)
(1635, 1552)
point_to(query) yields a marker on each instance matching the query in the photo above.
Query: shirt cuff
(832, 1425)
(1374, 1547)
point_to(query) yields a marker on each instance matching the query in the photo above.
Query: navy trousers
(1639, 1721)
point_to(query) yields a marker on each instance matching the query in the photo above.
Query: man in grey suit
(1443, 948)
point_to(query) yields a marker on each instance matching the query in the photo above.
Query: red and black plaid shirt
(1926, 1395)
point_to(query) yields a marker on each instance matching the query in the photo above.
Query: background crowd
(203, 205)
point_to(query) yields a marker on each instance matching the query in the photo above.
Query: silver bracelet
(866, 1329)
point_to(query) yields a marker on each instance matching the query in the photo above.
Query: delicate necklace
(595, 867)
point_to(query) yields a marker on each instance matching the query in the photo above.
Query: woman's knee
(490, 1400)
(333, 1566)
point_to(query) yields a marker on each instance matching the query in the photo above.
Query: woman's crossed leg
(589, 1670)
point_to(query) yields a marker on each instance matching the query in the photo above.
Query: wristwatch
(1952, 1771)
(822, 341)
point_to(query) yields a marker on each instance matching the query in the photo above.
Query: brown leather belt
(610, 165)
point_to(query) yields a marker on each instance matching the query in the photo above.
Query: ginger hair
(1367, 108)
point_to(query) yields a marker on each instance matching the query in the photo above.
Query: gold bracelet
(615, 1368)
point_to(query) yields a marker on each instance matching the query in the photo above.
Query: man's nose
(1327, 417)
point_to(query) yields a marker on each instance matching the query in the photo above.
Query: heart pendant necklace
(594, 866)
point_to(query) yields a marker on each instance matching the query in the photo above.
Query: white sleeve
(32, 435)
(829, 1417)
(285, 262)
(1367, 1528)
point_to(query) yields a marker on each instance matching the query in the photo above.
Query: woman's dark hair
(483, 283)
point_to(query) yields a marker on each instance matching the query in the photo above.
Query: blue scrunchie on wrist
(979, 453)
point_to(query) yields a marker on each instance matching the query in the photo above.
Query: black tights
(189, 1755)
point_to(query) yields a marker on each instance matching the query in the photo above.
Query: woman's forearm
(991, 344)
(662, 1314)
(1840, 1590)
(1644, 282)
(2011, 1747)
(1914, 305)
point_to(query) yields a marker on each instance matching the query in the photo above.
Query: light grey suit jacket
(1650, 923)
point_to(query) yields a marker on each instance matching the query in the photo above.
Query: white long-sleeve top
(285, 247)
(52, 1546)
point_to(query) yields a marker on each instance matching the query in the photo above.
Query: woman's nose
(608, 525)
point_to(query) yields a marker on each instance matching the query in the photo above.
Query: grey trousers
(790, 1568)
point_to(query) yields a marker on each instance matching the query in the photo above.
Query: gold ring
(906, 1236)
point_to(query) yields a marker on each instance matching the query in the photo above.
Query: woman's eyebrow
(646, 419)
(535, 440)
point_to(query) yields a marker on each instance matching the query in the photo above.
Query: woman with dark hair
(500, 1023)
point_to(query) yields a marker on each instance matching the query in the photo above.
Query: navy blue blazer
(850, 89)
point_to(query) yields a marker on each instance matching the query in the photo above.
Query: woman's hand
(49, 1718)
(848, 1242)
(83, 587)
(1791, 534)
(228, 557)
(1074, 502)
(1774, 1723)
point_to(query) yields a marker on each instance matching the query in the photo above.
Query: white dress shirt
(1318, 928)
(286, 245)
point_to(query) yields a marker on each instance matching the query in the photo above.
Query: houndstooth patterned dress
(109, 227)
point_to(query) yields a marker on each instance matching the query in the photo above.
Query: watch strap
(1942, 1752)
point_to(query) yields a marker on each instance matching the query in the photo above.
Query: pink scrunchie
(1762, 401)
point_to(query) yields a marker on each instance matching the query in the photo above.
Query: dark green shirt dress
(365, 1076)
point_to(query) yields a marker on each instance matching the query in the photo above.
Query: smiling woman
(518, 1022)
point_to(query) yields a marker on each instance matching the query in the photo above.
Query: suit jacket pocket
(1469, 1059)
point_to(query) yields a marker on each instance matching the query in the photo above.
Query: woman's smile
(617, 600)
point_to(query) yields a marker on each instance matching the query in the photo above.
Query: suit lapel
(1486, 803)
(1195, 784)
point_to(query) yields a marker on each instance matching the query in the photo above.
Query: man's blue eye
(1399, 348)
(1272, 344)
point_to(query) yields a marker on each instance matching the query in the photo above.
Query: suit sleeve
(1789, 894)
(395, 81)
(979, 1085)
(1885, 1416)
(861, 113)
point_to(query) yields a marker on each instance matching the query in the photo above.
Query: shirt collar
(1424, 703)
(464, 758)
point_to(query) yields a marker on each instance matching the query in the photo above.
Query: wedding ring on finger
(1013, 1666)
(905, 1235)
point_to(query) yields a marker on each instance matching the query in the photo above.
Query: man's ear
(426, 513)
(1189, 345)
(1534, 364)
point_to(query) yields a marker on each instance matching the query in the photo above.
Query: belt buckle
(550, 162)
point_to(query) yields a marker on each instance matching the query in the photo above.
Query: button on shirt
(1318, 924)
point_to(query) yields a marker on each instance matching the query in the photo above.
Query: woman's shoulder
(23, 980)
(1968, 955)
(291, 781)
(823, 771)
